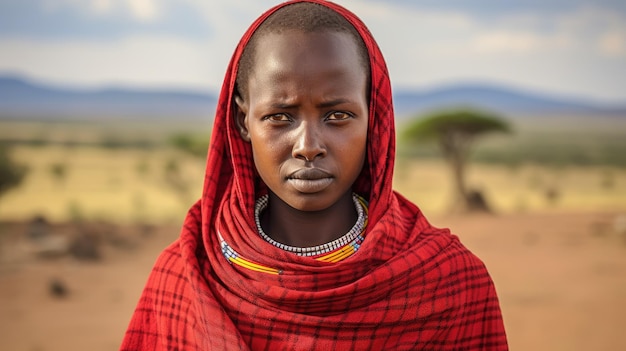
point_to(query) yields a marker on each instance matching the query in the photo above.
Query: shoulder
(444, 246)
(167, 277)
(448, 261)
(467, 270)
(469, 295)
(170, 256)
(169, 263)
(162, 311)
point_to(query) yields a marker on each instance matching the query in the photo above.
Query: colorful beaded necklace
(333, 251)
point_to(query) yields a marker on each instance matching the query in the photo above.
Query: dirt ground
(561, 279)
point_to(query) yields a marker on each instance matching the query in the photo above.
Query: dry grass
(129, 184)
(121, 185)
(520, 189)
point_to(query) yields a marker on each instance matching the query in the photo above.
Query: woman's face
(306, 115)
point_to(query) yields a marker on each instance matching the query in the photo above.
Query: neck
(292, 227)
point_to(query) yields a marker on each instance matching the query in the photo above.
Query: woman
(298, 241)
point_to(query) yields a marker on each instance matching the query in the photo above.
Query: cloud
(134, 61)
(613, 44)
(596, 30)
(576, 51)
(141, 10)
(144, 10)
(102, 7)
(489, 9)
(138, 55)
(508, 42)
(101, 19)
(579, 50)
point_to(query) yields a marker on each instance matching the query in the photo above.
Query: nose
(309, 144)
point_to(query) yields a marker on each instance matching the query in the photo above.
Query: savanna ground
(555, 244)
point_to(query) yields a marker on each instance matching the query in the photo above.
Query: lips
(310, 180)
(309, 174)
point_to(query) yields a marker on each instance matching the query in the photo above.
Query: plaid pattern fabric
(409, 287)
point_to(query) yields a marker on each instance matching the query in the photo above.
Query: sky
(567, 48)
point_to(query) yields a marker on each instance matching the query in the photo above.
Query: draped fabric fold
(409, 286)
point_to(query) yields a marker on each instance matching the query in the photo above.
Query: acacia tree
(11, 173)
(59, 172)
(195, 145)
(456, 131)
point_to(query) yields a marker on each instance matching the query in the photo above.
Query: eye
(278, 117)
(338, 116)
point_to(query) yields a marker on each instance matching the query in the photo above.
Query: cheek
(362, 141)
(360, 138)
(268, 153)
(354, 149)
(363, 151)
(264, 165)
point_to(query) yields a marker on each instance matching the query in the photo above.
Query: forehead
(299, 57)
(293, 43)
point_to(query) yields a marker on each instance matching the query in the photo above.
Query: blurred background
(511, 121)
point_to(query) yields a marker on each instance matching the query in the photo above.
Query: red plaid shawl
(410, 286)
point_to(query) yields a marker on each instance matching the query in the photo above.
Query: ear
(241, 118)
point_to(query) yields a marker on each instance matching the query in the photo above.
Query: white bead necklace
(353, 235)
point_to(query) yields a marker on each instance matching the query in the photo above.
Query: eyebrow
(325, 104)
(332, 103)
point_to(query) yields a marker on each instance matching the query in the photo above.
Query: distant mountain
(504, 100)
(24, 99)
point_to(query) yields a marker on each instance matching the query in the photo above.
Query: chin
(321, 202)
(310, 203)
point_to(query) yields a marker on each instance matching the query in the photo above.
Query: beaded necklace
(334, 251)
(349, 237)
